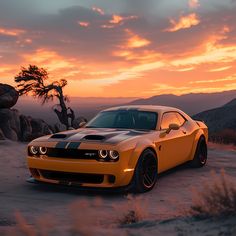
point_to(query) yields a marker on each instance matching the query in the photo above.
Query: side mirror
(82, 124)
(172, 127)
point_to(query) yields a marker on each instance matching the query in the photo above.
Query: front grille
(72, 177)
(72, 153)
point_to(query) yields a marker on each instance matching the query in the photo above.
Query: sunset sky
(122, 48)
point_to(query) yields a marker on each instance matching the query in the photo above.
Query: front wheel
(145, 175)
(200, 157)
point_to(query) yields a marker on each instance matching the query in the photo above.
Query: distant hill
(221, 118)
(192, 103)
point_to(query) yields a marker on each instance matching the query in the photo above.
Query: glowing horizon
(106, 50)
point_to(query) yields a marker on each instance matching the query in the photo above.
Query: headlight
(42, 150)
(33, 150)
(114, 155)
(103, 154)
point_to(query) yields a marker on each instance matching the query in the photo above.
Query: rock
(15, 121)
(2, 137)
(33, 128)
(8, 96)
(58, 127)
(39, 128)
(26, 129)
(76, 122)
(8, 120)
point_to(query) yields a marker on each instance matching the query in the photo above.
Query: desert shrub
(133, 210)
(86, 217)
(43, 226)
(226, 136)
(217, 197)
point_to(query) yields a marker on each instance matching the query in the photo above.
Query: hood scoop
(61, 136)
(94, 137)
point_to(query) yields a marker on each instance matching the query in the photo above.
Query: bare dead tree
(34, 80)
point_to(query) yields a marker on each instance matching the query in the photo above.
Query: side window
(169, 118)
(181, 119)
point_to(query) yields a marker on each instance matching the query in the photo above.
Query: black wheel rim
(149, 171)
(203, 155)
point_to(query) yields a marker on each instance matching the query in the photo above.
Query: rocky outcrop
(33, 128)
(40, 127)
(7, 117)
(8, 96)
(1, 135)
(18, 127)
(26, 129)
(15, 126)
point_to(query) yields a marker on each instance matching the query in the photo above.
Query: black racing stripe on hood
(74, 145)
(61, 144)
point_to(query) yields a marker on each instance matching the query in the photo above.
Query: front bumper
(87, 173)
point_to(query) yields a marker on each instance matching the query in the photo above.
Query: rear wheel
(145, 176)
(200, 157)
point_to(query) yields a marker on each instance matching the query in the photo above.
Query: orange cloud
(193, 3)
(107, 26)
(11, 32)
(185, 69)
(28, 40)
(98, 10)
(49, 59)
(83, 23)
(184, 22)
(117, 19)
(220, 69)
(226, 79)
(136, 41)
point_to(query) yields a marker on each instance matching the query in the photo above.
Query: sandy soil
(63, 210)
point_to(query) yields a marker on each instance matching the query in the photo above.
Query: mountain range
(219, 119)
(88, 107)
(192, 103)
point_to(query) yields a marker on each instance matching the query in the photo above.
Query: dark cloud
(58, 30)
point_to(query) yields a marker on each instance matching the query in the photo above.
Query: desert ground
(27, 209)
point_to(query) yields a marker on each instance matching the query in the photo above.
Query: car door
(174, 146)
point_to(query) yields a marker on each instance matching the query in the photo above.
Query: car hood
(100, 135)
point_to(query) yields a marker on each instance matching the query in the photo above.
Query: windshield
(125, 119)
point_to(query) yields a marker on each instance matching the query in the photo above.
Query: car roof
(143, 108)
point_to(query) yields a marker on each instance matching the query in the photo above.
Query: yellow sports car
(122, 146)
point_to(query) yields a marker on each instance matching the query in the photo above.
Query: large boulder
(33, 128)
(39, 128)
(2, 137)
(8, 123)
(8, 96)
(26, 129)
(15, 121)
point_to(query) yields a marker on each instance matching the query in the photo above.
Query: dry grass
(43, 226)
(86, 216)
(217, 198)
(226, 136)
(132, 211)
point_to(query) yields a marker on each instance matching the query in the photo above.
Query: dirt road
(168, 200)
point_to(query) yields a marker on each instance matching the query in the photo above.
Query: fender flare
(198, 135)
(140, 147)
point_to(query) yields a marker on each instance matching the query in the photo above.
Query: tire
(200, 156)
(145, 175)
